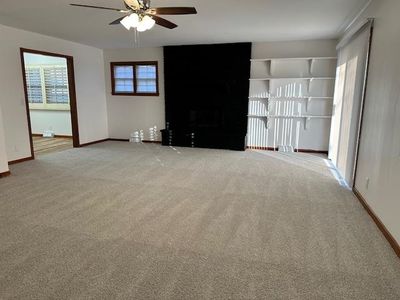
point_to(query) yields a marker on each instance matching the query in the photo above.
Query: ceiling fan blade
(134, 4)
(117, 21)
(99, 7)
(164, 23)
(146, 3)
(174, 10)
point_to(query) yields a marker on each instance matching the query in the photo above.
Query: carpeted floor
(123, 221)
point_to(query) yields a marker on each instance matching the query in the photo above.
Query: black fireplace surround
(206, 95)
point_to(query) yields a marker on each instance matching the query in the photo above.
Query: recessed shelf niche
(290, 103)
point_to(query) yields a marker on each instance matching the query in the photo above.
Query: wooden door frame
(72, 94)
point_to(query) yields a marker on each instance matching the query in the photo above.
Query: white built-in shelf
(306, 98)
(284, 70)
(292, 58)
(292, 78)
(307, 118)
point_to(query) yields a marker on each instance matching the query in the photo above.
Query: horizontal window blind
(56, 84)
(146, 79)
(47, 84)
(34, 84)
(124, 79)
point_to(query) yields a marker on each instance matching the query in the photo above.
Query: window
(47, 87)
(134, 78)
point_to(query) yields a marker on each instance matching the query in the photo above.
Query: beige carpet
(122, 221)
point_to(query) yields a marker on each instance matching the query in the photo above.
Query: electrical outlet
(367, 183)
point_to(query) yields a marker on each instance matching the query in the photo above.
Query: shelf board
(292, 58)
(290, 117)
(293, 98)
(292, 78)
(300, 98)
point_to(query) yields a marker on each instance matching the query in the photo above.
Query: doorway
(50, 98)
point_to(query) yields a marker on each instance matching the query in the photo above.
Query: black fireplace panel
(206, 95)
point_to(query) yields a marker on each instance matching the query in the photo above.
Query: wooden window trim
(134, 64)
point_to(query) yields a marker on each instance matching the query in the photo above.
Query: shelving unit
(311, 61)
(282, 91)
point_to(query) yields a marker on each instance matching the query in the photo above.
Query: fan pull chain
(135, 38)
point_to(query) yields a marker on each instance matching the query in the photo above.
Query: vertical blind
(349, 92)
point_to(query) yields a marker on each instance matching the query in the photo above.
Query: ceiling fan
(140, 15)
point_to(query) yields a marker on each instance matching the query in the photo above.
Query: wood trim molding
(115, 140)
(118, 140)
(71, 88)
(151, 142)
(5, 174)
(296, 150)
(126, 140)
(13, 162)
(312, 151)
(392, 241)
(28, 116)
(93, 143)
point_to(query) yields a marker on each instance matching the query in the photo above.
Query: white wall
(295, 49)
(57, 121)
(379, 157)
(126, 113)
(3, 154)
(129, 113)
(89, 78)
(316, 136)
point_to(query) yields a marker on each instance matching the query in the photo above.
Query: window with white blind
(134, 78)
(47, 87)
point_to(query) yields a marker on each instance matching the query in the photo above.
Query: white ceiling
(217, 21)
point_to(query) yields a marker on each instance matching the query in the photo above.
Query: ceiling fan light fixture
(130, 21)
(141, 15)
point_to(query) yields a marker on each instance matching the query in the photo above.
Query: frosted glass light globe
(142, 26)
(130, 21)
(148, 22)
